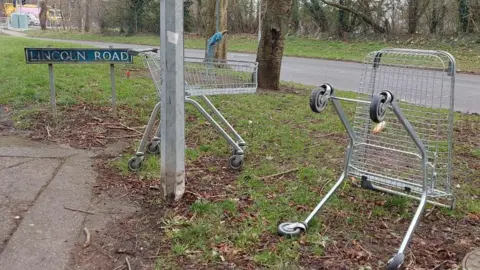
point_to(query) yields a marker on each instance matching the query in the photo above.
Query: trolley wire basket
(202, 78)
(401, 134)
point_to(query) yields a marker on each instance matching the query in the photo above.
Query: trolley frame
(207, 84)
(433, 185)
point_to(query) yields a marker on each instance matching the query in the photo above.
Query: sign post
(53, 56)
(173, 100)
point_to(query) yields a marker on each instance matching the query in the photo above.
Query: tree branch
(367, 19)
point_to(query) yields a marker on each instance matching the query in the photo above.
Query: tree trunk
(209, 17)
(341, 21)
(221, 52)
(272, 43)
(43, 15)
(87, 15)
(464, 14)
(412, 16)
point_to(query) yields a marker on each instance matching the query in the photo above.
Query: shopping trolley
(401, 135)
(202, 78)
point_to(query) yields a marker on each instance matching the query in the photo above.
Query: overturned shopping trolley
(203, 77)
(401, 136)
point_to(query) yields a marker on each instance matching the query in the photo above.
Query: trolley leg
(397, 260)
(236, 160)
(295, 228)
(135, 162)
(240, 141)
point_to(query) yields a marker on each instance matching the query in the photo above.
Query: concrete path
(37, 184)
(343, 75)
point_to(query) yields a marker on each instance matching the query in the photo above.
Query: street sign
(77, 56)
(52, 56)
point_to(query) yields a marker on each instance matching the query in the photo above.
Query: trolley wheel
(395, 262)
(291, 229)
(233, 164)
(153, 149)
(134, 164)
(377, 108)
(318, 100)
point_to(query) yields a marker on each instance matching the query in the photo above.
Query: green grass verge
(282, 134)
(466, 51)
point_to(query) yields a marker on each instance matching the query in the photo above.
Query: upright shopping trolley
(401, 135)
(203, 77)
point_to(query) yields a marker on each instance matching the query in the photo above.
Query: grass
(282, 134)
(465, 51)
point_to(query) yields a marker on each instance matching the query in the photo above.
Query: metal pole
(114, 92)
(53, 102)
(172, 100)
(259, 20)
(217, 15)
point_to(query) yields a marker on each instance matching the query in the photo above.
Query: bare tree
(221, 52)
(43, 15)
(272, 43)
(367, 19)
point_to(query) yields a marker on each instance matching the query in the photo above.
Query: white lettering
(107, 56)
(124, 56)
(32, 58)
(97, 56)
(54, 55)
(81, 55)
(64, 56)
(115, 57)
(46, 55)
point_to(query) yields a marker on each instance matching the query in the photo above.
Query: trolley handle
(136, 52)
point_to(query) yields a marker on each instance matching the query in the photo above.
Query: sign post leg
(173, 100)
(53, 102)
(114, 92)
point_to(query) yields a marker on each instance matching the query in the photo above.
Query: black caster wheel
(289, 229)
(153, 148)
(395, 262)
(378, 107)
(319, 98)
(233, 164)
(134, 164)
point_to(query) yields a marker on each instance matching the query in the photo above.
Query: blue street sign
(77, 56)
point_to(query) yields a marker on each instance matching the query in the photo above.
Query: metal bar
(53, 101)
(215, 124)
(344, 118)
(350, 100)
(147, 132)
(406, 124)
(114, 92)
(172, 100)
(219, 115)
(407, 195)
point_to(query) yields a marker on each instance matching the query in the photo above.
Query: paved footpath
(37, 182)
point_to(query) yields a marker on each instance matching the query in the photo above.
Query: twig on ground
(326, 183)
(279, 174)
(193, 193)
(78, 210)
(119, 137)
(87, 241)
(128, 263)
(48, 131)
(124, 127)
(431, 210)
(438, 266)
(98, 119)
(368, 252)
(100, 142)
(120, 267)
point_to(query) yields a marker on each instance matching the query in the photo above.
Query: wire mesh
(423, 84)
(207, 77)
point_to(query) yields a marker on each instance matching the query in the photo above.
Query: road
(342, 75)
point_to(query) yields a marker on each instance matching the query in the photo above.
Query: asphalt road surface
(342, 75)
